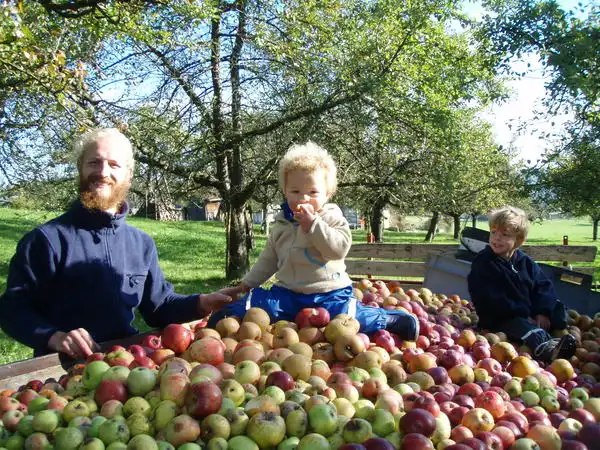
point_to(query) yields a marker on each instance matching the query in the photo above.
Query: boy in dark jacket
(511, 293)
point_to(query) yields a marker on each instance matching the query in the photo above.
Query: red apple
(281, 379)
(203, 399)
(110, 390)
(415, 441)
(176, 337)
(418, 421)
(137, 351)
(152, 341)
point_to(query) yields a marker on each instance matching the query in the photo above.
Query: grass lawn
(192, 254)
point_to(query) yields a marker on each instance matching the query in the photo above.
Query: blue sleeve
(489, 294)
(160, 305)
(30, 269)
(543, 298)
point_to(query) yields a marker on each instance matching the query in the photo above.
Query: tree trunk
(456, 218)
(238, 260)
(377, 220)
(474, 220)
(595, 228)
(249, 229)
(432, 227)
(265, 220)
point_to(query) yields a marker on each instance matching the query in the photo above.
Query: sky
(513, 121)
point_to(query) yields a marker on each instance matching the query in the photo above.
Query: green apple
(268, 367)
(296, 423)
(357, 431)
(163, 413)
(238, 420)
(117, 445)
(297, 396)
(531, 383)
(226, 405)
(403, 388)
(141, 381)
(383, 422)
(288, 444)
(246, 372)
(550, 404)
(357, 374)
(139, 423)
(92, 443)
(93, 373)
(94, 425)
(580, 394)
(215, 425)
(574, 403)
(395, 438)
(513, 388)
(443, 429)
(118, 373)
(530, 398)
(36, 440)
(46, 421)
(344, 407)
(142, 442)
(37, 404)
(376, 372)
(188, 446)
(69, 438)
(323, 419)
(25, 426)
(75, 408)
(217, 443)
(365, 409)
(336, 440)
(242, 443)
(16, 442)
(233, 390)
(267, 429)
(276, 393)
(113, 430)
(313, 441)
(164, 445)
(137, 405)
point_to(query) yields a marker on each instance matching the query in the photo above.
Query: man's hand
(214, 301)
(78, 344)
(541, 321)
(305, 215)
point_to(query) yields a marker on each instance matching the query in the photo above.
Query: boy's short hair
(308, 157)
(511, 218)
(86, 140)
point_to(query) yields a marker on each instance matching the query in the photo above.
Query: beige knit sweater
(307, 263)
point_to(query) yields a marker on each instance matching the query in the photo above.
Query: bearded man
(78, 279)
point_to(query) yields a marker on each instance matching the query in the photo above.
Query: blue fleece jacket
(502, 289)
(87, 269)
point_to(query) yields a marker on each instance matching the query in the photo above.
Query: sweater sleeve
(489, 294)
(160, 304)
(331, 235)
(266, 265)
(543, 298)
(30, 269)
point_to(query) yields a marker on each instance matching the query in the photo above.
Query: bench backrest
(410, 260)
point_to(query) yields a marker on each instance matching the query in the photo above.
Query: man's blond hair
(90, 138)
(308, 157)
(512, 219)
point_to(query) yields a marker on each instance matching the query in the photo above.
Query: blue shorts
(283, 304)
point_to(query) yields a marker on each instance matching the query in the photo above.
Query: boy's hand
(305, 215)
(78, 343)
(213, 301)
(541, 321)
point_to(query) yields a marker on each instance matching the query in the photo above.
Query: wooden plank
(17, 373)
(399, 251)
(387, 268)
(579, 253)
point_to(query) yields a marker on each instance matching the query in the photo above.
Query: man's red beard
(91, 200)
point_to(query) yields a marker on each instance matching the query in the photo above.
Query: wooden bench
(408, 262)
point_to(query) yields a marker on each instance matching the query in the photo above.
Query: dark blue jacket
(91, 270)
(501, 289)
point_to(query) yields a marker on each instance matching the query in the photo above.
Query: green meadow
(192, 254)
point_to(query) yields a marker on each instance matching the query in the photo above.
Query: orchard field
(192, 253)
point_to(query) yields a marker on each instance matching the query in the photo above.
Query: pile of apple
(318, 383)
